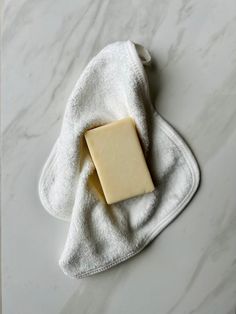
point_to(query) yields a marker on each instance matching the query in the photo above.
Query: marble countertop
(191, 266)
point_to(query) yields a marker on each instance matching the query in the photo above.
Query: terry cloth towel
(113, 86)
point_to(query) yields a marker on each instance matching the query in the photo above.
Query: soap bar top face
(119, 160)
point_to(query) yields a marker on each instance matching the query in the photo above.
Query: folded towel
(114, 86)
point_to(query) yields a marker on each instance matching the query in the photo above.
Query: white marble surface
(191, 266)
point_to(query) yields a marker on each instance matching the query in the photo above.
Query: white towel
(114, 86)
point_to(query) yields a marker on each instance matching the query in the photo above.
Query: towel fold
(113, 86)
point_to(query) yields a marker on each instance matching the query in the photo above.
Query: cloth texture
(114, 86)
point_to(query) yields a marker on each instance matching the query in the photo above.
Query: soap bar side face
(119, 160)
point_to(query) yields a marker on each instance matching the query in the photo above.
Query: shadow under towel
(114, 86)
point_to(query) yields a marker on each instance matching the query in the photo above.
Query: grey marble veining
(191, 266)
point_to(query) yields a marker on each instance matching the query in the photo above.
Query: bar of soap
(119, 160)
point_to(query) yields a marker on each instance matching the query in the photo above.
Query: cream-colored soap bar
(118, 157)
